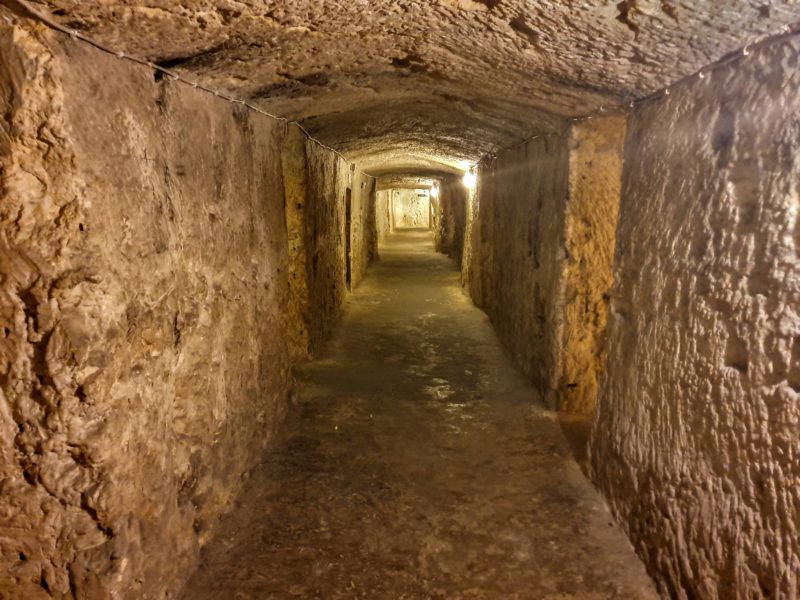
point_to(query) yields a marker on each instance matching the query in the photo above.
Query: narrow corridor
(415, 465)
(226, 373)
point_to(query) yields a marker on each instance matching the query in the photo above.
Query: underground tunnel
(443, 299)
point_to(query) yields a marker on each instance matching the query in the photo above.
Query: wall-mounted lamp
(470, 180)
(435, 190)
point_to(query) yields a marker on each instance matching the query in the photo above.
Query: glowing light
(463, 165)
(435, 190)
(470, 180)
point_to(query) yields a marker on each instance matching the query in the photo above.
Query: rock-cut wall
(144, 310)
(319, 186)
(590, 223)
(383, 214)
(332, 182)
(451, 219)
(536, 240)
(363, 227)
(515, 247)
(410, 208)
(696, 442)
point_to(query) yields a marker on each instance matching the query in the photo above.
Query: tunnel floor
(417, 464)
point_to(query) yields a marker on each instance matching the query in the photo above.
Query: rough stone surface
(696, 440)
(512, 268)
(164, 255)
(417, 465)
(317, 186)
(364, 236)
(411, 208)
(383, 215)
(590, 221)
(295, 183)
(451, 212)
(433, 83)
(539, 244)
(329, 177)
(145, 353)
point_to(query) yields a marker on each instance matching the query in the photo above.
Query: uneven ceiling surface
(402, 85)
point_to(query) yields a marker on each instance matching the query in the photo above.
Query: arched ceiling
(428, 85)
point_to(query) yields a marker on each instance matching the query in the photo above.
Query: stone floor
(418, 464)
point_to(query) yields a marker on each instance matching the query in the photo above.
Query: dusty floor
(418, 465)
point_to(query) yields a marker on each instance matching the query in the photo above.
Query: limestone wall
(295, 182)
(515, 249)
(364, 241)
(590, 222)
(696, 440)
(145, 366)
(410, 209)
(317, 184)
(451, 212)
(328, 180)
(383, 214)
(537, 238)
(144, 284)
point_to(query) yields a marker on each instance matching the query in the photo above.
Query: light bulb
(470, 180)
(435, 191)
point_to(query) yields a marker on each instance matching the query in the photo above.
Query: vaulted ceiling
(409, 85)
